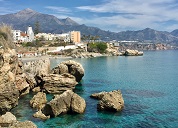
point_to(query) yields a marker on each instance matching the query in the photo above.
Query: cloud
(134, 13)
(62, 10)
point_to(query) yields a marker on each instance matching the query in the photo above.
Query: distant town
(30, 43)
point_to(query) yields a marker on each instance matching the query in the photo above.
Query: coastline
(33, 58)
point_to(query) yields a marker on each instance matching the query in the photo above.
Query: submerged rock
(66, 102)
(71, 67)
(109, 101)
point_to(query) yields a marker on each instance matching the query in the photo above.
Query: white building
(30, 34)
(19, 36)
(46, 36)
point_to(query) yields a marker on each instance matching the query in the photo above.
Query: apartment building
(75, 36)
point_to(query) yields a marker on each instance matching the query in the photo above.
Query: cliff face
(8, 92)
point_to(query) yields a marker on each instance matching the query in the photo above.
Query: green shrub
(97, 47)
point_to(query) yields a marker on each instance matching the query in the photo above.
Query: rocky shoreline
(18, 79)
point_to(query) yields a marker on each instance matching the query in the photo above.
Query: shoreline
(33, 58)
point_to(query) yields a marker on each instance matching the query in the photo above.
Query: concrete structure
(75, 36)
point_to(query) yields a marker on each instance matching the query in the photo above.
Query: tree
(36, 27)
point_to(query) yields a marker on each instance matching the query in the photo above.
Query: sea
(149, 85)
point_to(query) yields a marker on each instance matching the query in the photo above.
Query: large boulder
(54, 83)
(109, 101)
(38, 101)
(66, 102)
(72, 67)
(9, 93)
(8, 120)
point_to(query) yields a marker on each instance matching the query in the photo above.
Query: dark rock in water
(54, 83)
(66, 102)
(110, 101)
(72, 67)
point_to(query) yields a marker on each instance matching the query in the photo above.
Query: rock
(54, 83)
(60, 69)
(22, 84)
(38, 67)
(40, 115)
(30, 78)
(19, 68)
(36, 89)
(38, 101)
(25, 124)
(7, 120)
(8, 92)
(66, 102)
(109, 101)
(129, 52)
(72, 67)
(78, 104)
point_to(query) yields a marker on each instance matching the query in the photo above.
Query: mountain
(49, 23)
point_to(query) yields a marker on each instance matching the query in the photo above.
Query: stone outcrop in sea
(129, 52)
(63, 103)
(109, 101)
(71, 67)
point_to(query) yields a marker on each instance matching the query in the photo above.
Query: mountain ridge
(51, 24)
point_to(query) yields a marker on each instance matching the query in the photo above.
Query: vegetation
(97, 47)
(36, 43)
(6, 40)
(36, 27)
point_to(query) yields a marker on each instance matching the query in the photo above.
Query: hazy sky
(112, 15)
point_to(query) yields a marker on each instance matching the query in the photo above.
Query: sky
(109, 15)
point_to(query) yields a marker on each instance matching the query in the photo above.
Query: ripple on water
(144, 93)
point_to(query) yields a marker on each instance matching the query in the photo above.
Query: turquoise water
(148, 84)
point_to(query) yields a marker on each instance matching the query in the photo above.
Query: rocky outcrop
(41, 66)
(55, 83)
(109, 101)
(71, 67)
(22, 84)
(38, 101)
(10, 121)
(129, 52)
(9, 93)
(25, 124)
(66, 102)
(7, 120)
(40, 115)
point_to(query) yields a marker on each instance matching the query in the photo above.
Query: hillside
(50, 23)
